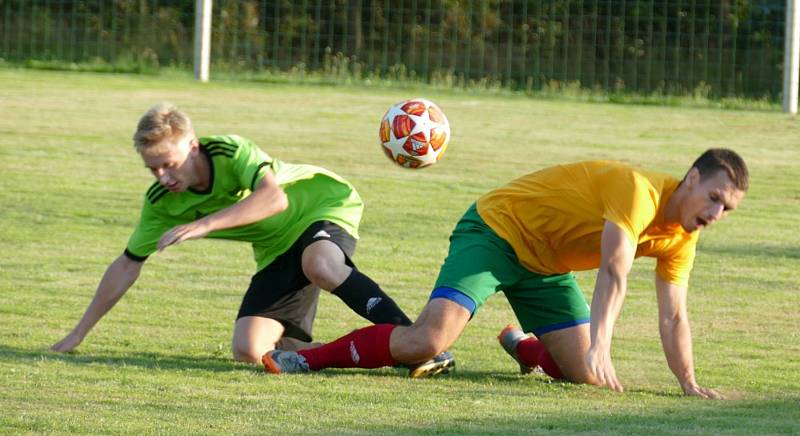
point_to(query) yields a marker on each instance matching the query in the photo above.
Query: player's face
(708, 200)
(172, 164)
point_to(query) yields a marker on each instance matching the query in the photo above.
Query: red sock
(363, 348)
(532, 352)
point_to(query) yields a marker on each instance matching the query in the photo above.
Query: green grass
(339, 71)
(70, 191)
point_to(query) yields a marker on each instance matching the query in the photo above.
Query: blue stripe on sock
(455, 296)
(562, 325)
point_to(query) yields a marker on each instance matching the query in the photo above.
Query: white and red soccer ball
(414, 133)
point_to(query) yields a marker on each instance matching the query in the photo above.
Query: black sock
(366, 298)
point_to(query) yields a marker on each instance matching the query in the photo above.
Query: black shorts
(281, 291)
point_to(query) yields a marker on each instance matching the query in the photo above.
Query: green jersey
(236, 167)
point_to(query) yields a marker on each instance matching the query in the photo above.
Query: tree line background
(718, 48)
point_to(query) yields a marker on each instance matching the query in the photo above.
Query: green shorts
(480, 263)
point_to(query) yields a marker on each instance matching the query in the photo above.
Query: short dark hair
(723, 159)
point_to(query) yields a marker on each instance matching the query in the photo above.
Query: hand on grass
(599, 361)
(698, 391)
(69, 343)
(176, 235)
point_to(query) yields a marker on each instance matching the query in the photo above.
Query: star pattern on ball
(414, 133)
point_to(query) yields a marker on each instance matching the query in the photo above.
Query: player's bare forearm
(118, 278)
(673, 325)
(607, 299)
(676, 337)
(617, 255)
(267, 200)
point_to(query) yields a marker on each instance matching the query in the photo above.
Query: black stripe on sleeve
(157, 193)
(255, 175)
(213, 153)
(158, 196)
(220, 147)
(220, 144)
(134, 257)
(152, 187)
(231, 144)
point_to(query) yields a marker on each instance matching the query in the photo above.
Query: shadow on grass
(693, 416)
(777, 251)
(137, 359)
(149, 360)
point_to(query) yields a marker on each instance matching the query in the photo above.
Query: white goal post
(202, 39)
(791, 56)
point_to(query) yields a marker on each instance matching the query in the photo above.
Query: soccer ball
(414, 133)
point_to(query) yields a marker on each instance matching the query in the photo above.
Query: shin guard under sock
(364, 348)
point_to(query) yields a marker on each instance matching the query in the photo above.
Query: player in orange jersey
(527, 237)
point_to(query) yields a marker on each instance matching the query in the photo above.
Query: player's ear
(194, 145)
(692, 178)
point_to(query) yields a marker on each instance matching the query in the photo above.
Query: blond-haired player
(301, 220)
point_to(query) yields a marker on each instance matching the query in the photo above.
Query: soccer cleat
(509, 338)
(441, 364)
(280, 361)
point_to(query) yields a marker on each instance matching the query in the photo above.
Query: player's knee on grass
(243, 355)
(568, 347)
(253, 336)
(248, 352)
(579, 375)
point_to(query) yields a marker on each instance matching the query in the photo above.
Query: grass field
(70, 191)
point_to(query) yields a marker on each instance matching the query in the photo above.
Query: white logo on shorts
(354, 353)
(322, 234)
(372, 302)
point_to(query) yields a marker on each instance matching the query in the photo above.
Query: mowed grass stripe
(71, 189)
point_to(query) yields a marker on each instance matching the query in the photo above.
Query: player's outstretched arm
(617, 253)
(676, 337)
(118, 278)
(268, 199)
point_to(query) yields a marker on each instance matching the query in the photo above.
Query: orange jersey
(554, 218)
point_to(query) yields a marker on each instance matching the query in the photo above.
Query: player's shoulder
(637, 176)
(225, 145)
(595, 168)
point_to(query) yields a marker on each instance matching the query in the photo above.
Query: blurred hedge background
(714, 48)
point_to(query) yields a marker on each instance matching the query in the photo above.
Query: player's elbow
(669, 322)
(273, 203)
(616, 275)
(280, 201)
(271, 199)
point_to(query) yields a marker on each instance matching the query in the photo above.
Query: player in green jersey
(301, 220)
